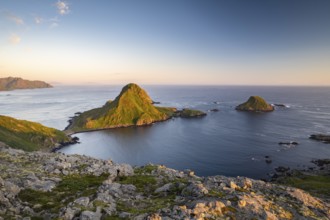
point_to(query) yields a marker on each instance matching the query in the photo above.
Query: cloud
(14, 18)
(62, 7)
(38, 20)
(14, 39)
(54, 25)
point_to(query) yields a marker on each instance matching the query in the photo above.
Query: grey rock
(164, 188)
(89, 215)
(83, 201)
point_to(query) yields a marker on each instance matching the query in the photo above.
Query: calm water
(225, 142)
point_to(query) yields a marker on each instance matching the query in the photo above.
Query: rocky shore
(39, 185)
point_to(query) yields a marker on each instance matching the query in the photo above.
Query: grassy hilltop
(28, 135)
(255, 103)
(132, 107)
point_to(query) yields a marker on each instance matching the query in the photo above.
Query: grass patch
(69, 189)
(316, 185)
(147, 169)
(215, 193)
(143, 183)
(150, 205)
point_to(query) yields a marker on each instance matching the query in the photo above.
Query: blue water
(225, 142)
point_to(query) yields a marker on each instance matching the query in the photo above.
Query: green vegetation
(149, 205)
(318, 185)
(188, 113)
(69, 189)
(28, 135)
(255, 103)
(132, 107)
(143, 183)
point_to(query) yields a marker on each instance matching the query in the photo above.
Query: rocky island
(40, 185)
(12, 83)
(255, 104)
(132, 107)
(29, 136)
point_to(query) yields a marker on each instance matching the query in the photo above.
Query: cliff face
(255, 104)
(11, 83)
(26, 135)
(56, 186)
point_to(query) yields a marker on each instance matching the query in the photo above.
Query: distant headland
(12, 83)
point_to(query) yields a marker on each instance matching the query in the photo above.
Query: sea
(225, 142)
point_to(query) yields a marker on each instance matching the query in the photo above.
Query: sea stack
(255, 104)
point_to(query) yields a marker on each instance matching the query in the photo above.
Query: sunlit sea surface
(226, 142)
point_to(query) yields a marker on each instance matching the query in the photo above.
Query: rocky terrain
(39, 185)
(255, 104)
(12, 83)
(132, 107)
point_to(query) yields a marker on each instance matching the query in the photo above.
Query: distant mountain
(132, 107)
(255, 104)
(12, 83)
(29, 136)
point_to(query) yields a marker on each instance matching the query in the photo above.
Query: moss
(28, 135)
(69, 189)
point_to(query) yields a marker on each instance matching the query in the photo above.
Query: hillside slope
(29, 136)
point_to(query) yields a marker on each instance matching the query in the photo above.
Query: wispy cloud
(54, 25)
(62, 7)
(14, 18)
(38, 20)
(14, 39)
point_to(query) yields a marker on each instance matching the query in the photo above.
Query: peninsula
(12, 83)
(132, 107)
(29, 136)
(255, 104)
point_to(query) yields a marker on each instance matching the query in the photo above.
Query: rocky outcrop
(11, 83)
(255, 104)
(58, 186)
(321, 137)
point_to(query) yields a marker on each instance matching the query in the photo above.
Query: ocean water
(226, 142)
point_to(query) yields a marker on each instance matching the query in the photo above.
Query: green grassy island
(29, 136)
(255, 104)
(132, 107)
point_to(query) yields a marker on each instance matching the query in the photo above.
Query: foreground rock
(12, 83)
(56, 186)
(132, 107)
(255, 104)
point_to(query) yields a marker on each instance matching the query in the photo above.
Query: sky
(193, 42)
